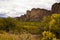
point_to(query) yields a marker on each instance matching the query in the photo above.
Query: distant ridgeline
(36, 14)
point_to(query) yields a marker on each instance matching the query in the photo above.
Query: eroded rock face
(56, 8)
(35, 14)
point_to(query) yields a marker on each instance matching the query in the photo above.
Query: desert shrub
(52, 23)
(9, 24)
(48, 36)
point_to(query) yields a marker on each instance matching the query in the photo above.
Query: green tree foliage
(8, 24)
(12, 24)
(45, 22)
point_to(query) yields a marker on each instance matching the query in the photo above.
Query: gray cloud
(3, 15)
(58, 0)
(14, 7)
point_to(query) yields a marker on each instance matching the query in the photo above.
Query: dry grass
(24, 36)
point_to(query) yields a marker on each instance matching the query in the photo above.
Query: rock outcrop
(36, 14)
(56, 8)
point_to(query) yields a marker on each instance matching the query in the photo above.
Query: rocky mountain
(55, 8)
(36, 14)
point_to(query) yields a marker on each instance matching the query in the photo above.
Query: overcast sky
(15, 8)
